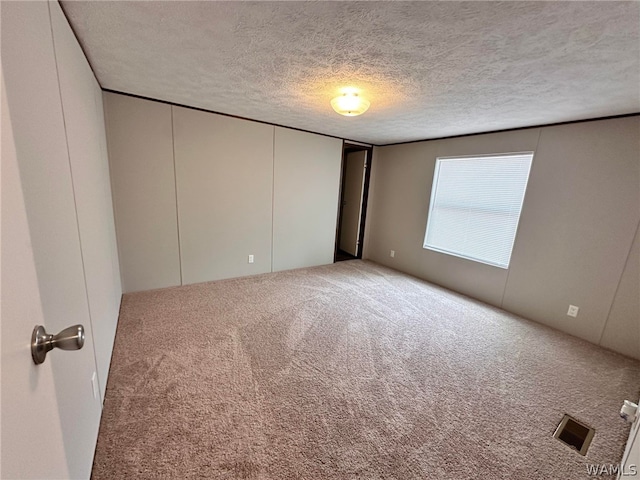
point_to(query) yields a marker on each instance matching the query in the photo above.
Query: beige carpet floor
(349, 371)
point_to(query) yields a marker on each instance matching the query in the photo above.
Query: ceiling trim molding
(141, 97)
(568, 122)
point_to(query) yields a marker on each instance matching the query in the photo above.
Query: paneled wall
(578, 222)
(196, 193)
(84, 121)
(143, 182)
(580, 215)
(622, 330)
(224, 176)
(305, 198)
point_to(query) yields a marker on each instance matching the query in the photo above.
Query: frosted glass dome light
(350, 104)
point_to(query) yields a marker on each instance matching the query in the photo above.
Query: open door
(353, 201)
(32, 445)
(56, 258)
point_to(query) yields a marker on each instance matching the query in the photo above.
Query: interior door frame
(346, 149)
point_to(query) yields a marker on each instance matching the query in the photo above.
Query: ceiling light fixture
(350, 104)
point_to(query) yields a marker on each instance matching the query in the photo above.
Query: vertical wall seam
(506, 281)
(175, 187)
(615, 293)
(273, 190)
(75, 205)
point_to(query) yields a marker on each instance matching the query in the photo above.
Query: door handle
(71, 338)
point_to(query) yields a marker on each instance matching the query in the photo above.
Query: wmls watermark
(610, 469)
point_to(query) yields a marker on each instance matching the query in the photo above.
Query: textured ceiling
(430, 69)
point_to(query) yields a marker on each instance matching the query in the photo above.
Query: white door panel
(33, 97)
(29, 404)
(631, 459)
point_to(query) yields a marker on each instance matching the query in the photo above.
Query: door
(71, 417)
(31, 439)
(352, 195)
(630, 464)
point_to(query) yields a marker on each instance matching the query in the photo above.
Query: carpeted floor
(349, 371)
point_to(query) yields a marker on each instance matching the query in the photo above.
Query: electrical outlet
(250, 258)
(573, 311)
(392, 253)
(94, 385)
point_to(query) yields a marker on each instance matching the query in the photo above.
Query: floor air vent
(574, 434)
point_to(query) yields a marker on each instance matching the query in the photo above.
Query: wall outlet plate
(392, 253)
(250, 258)
(94, 385)
(573, 311)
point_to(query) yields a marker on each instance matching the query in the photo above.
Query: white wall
(224, 178)
(305, 198)
(578, 222)
(139, 134)
(622, 330)
(84, 122)
(243, 188)
(399, 202)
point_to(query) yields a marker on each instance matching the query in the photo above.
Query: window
(475, 206)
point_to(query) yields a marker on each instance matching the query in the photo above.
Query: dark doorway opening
(354, 191)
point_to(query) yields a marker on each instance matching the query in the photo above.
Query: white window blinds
(475, 206)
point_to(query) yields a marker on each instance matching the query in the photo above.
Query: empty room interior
(320, 240)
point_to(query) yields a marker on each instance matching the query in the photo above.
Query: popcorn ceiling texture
(430, 69)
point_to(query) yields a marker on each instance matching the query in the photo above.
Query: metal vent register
(574, 434)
